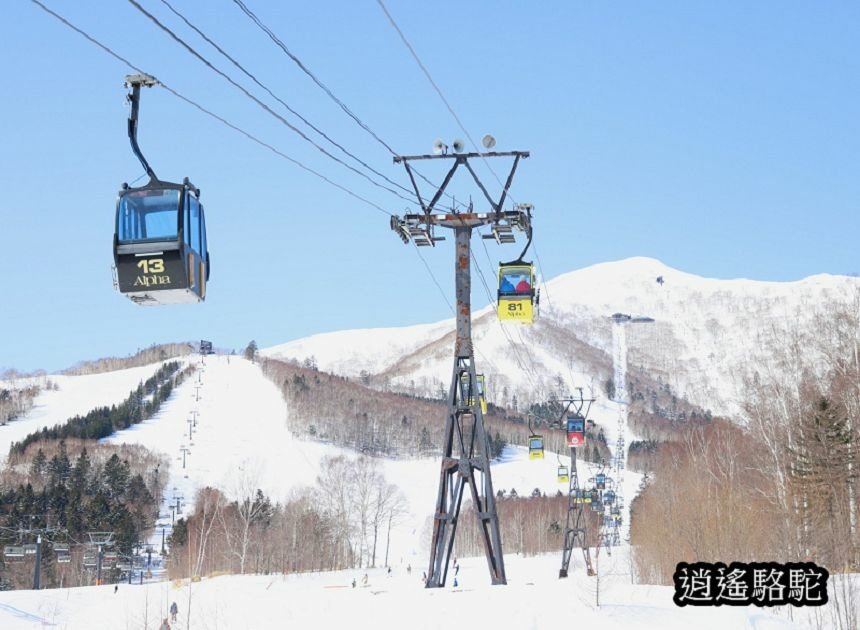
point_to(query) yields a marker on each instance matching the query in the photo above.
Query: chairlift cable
(453, 114)
(281, 101)
(346, 109)
(199, 107)
(265, 107)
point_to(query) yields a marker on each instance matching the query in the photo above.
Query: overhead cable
(277, 98)
(196, 105)
(268, 109)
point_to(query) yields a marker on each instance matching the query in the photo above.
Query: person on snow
(164, 625)
(364, 580)
(174, 610)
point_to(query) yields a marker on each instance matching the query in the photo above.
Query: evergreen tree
(251, 351)
(115, 476)
(60, 467)
(37, 467)
(80, 473)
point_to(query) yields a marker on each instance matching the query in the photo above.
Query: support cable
(448, 106)
(265, 107)
(199, 107)
(245, 133)
(280, 44)
(277, 98)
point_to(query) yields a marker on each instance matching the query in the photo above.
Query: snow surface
(241, 442)
(77, 395)
(533, 599)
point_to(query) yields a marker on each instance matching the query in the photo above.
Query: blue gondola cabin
(160, 247)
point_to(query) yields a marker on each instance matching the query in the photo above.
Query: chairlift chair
(482, 397)
(13, 553)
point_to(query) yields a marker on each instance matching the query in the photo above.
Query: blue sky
(721, 138)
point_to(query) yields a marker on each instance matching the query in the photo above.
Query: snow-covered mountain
(707, 334)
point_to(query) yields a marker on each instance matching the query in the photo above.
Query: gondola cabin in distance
(160, 250)
(575, 431)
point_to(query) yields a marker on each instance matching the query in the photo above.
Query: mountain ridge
(706, 335)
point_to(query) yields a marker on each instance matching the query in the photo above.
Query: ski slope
(241, 442)
(76, 395)
(533, 599)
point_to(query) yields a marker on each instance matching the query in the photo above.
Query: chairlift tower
(34, 549)
(575, 527)
(465, 449)
(619, 357)
(100, 540)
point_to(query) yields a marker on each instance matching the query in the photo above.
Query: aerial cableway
(159, 245)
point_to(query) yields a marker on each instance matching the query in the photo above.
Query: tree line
(155, 353)
(77, 486)
(783, 486)
(345, 521)
(142, 403)
(334, 409)
(529, 525)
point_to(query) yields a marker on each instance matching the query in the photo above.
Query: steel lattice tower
(465, 448)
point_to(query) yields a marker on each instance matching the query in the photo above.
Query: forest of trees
(334, 409)
(61, 478)
(344, 521)
(101, 422)
(75, 487)
(782, 487)
(529, 525)
(16, 401)
(153, 354)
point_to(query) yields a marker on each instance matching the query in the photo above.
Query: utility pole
(465, 449)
